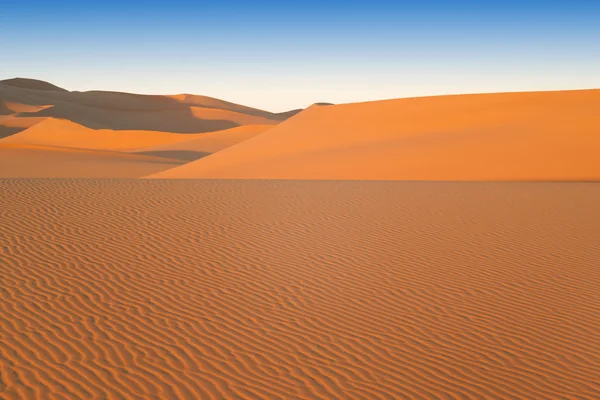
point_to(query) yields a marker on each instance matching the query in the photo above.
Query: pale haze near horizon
(279, 59)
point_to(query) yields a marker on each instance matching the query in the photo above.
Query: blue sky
(280, 55)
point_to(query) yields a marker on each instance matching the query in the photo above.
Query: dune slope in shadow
(126, 111)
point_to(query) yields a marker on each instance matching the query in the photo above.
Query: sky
(281, 55)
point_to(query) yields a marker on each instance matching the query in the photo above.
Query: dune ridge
(64, 133)
(37, 117)
(51, 135)
(10, 125)
(174, 289)
(127, 111)
(26, 83)
(505, 136)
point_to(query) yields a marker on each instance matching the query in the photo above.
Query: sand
(127, 111)
(10, 125)
(64, 133)
(47, 131)
(26, 83)
(207, 143)
(509, 136)
(175, 289)
(55, 146)
(31, 161)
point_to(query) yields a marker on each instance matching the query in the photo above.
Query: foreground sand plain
(177, 289)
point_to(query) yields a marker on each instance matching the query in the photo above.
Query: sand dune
(10, 125)
(206, 143)
(26, 83)
(126, 111)
(210, 102)
(36, 152)
(140, 289)
(64, 133)
(176, 120)
(509, 136)
(9, 108)
(31, 161)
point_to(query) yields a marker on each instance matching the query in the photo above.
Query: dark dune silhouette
(27, 83)
(125, 111)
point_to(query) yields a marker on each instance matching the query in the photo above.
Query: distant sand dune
(31, 161)
(177, 120)
(126, 111)
(147, 289)
(9, 108)
(64, 133)
(508, 136)
(26, 83)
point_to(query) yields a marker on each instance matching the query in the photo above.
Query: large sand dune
(32, 161)
(509, 136)
(146, 289)
(126, 111)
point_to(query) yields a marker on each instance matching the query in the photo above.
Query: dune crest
(27, 83)
(64, 133)
(505, 136)
(128, 111)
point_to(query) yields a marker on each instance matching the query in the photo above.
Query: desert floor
(181, 289)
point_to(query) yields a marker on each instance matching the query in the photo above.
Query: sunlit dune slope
(206, 143)
(30, 161)
(10, 124)
(507, 136)
(64, 133)
(279, 290)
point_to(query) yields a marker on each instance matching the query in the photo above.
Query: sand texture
(507, 136)
(174, 289)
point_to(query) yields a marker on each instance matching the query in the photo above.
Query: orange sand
(147, 289)
(37, 118)
(30, 161)
(10, 125)
(509, 136)
(208, 143)
(63, 133)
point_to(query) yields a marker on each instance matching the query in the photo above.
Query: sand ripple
(128, 289)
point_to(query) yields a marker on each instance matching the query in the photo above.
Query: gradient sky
(279, 55)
